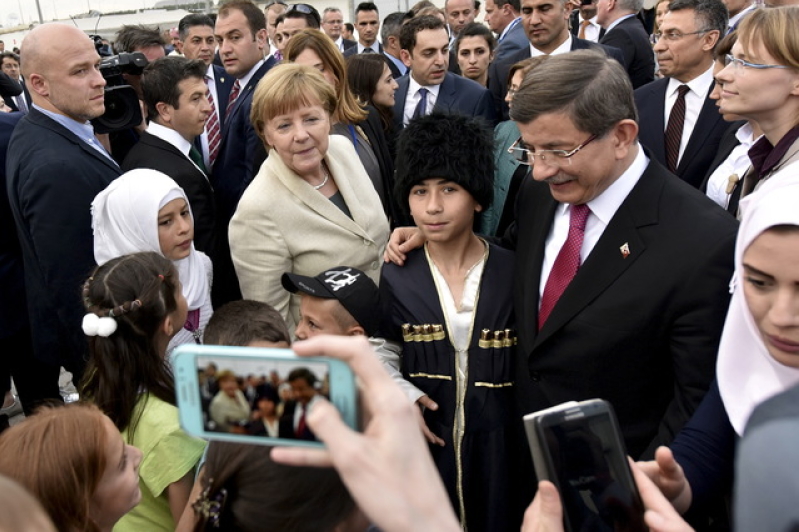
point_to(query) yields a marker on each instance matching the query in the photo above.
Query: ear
(37, 84)
(625, 135)
(405, 55)
(164, 112)
(356, 330)
(478, 207)
(167, 327)
(260, 38)
(710, 39)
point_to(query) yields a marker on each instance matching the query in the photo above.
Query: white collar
(605, 205)
(414, 86)
(565, 47)
(700, 85)
(169, 135)
(244, 80)
(618, 21)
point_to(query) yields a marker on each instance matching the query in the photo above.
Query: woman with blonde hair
(359, 123)
(75, 462)
(311, 206)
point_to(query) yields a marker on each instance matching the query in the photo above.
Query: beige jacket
(283, 225)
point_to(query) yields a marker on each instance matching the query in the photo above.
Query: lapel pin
(625, 250)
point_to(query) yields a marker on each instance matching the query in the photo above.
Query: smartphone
(243, 394)
(578, 447)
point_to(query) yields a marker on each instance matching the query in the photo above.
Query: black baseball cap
(355, 290)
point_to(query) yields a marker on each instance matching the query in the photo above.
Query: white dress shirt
(736, 163)
(591, 30)
(174, 138)
(562, 49)
(215, 95)
(603, 208)
(413, 97)
(694, 100)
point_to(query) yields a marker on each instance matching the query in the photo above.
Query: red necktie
(212, 128)
(234, 93)
(674, 129)
(301, 424)
(566, 264)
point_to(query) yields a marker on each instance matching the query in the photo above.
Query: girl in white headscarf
(759, 349)
(145, 210)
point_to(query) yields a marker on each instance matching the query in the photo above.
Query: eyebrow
(751, 269)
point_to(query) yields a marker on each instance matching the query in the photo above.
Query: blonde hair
(350, 110)
(776, 28)
(288, 87)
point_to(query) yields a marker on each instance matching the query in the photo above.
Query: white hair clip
(94, 325)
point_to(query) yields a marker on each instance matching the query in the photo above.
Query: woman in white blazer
(312, 205)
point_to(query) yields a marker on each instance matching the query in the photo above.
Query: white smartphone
(258, 395)
(578, 447)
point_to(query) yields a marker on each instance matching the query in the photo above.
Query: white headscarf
(125, 220)
(746, 372)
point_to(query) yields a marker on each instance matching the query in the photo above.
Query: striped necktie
(212, 127)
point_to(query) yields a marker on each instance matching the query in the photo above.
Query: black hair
(306, 11)
(140, 290)
(302, 373)
(192, 20)
(411, 28)
(159, 81)
(264, 495)
(256, 19)
(364, 72)
(366, 6)
(131, 38)
(476, 29)
(246, 321)
(451, 146)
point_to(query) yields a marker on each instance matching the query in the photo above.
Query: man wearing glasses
(681, 124)
(332, 21)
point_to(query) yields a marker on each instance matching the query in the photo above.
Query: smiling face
(761, 95)
(474, 56)
(175, 229)
(589, 172)
(118, 490)
(239, 49)
(546, 23)
(300, 138)
(771, 289)
(200, 44)
(429, 59)
(442, 210)
(310, 58)
(385, 89)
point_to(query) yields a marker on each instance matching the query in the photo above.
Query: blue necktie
(421, 107)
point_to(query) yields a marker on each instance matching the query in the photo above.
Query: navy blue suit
(498, 70)
(353, 50)
(241, 154)
(631, 38)
(53, 177)
(456, 95)
(224, 82)
(702, 144)
(514, 40)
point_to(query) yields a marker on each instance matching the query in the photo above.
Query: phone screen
(260, 397)
(592, 473)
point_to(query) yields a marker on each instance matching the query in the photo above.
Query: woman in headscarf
(145, 210)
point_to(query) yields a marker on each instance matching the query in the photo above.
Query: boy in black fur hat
(451, 307)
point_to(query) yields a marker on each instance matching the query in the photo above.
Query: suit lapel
(606, 262)
(706, 123)
(399, 101)
(652, 116)
(446, 95)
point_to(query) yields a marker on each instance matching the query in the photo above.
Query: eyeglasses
(674, 36)
(512, 92)
(558, 158)
(740, 64)
(274, 2)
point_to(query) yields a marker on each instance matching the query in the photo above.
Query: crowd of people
(558, 203)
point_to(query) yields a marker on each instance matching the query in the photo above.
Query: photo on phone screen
(258, 395)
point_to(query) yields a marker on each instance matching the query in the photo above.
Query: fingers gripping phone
(258, 395)
(578, 447)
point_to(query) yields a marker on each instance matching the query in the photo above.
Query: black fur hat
(451, 146)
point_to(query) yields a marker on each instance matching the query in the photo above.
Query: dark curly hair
(451, 146)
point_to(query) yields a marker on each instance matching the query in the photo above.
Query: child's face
(317, 317)
(175, 229)
(442, 209)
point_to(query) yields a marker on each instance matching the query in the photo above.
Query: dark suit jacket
(642, 331)
(12, 102)
(630, 37)
(224, 82)
(9, 87)
(286, 424)
(157, 154)
(240, 155)
(727, 143)
(498, 71)
(457, 95)
(515, 40)
(348, 43)
(373, 129)
(13, 318)
(574, 24)
(53, 177)
(353, 50)
(702, 144)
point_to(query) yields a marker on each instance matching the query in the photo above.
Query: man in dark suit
(624, 31)
(332, 19)
(293, 424)
(367, 22)
(9, 64)
(502, 17)
(428, 86)
(175, 95)
(684, 141)
(197, 35)
(622, 270)
(241, 33)
(547, 28)
(583, 23)
(390, 34)
(55, 169)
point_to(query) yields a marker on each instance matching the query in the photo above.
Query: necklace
(324, 182)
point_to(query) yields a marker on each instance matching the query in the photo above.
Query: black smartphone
(578, 447)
